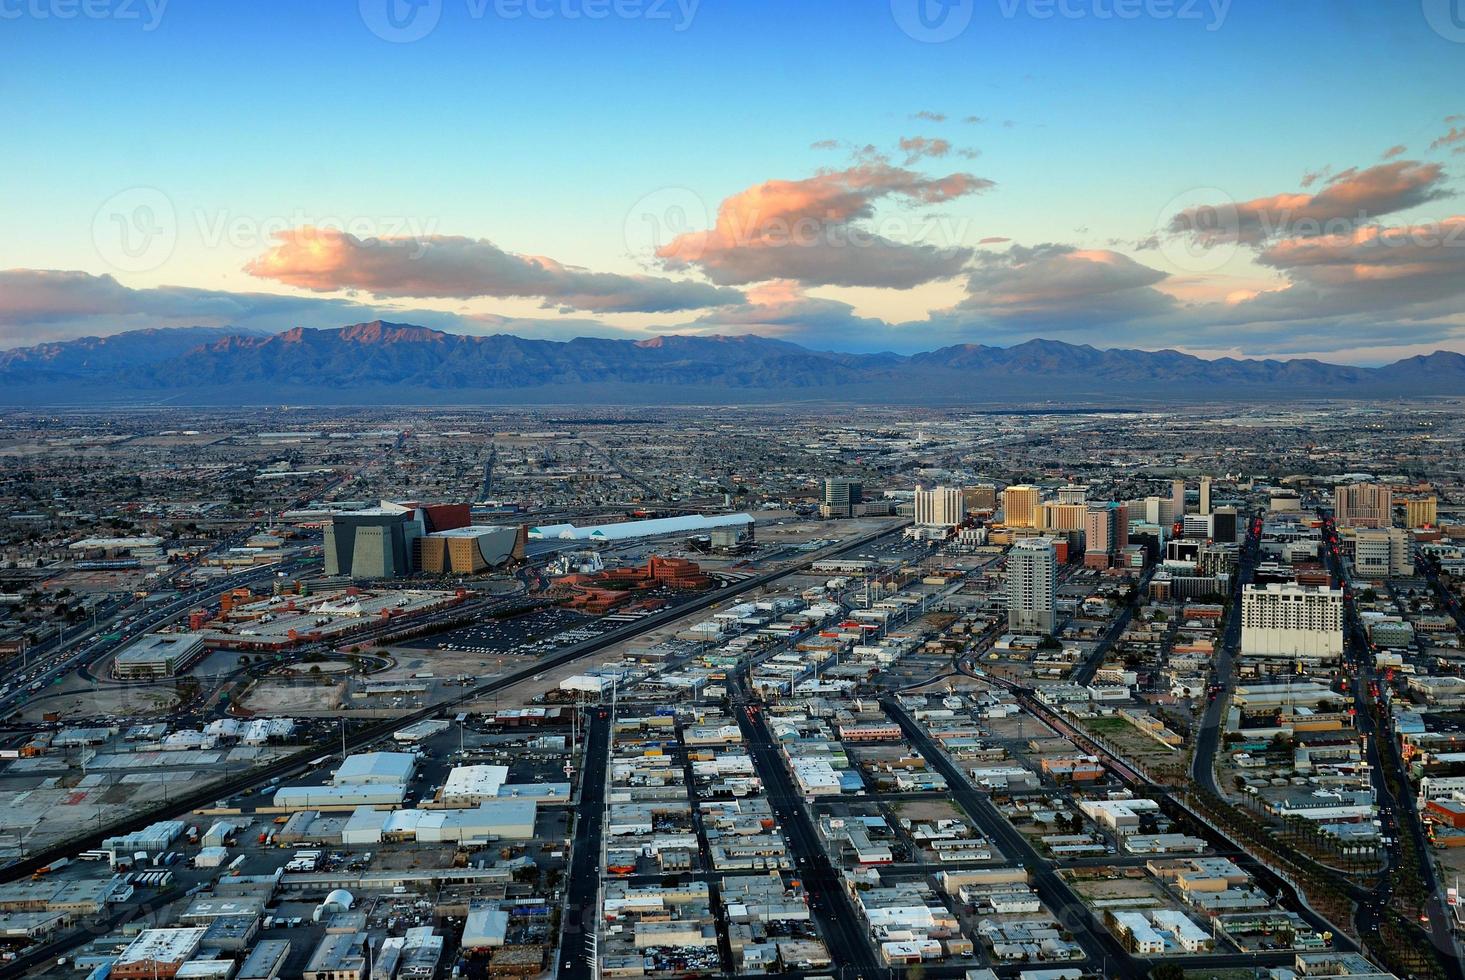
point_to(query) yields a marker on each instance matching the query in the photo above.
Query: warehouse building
(490, 820)
(363, 779)
(157, 953)
(375, 768)
(628, 530)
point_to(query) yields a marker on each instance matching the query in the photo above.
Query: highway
(368, 734)
(83, 656)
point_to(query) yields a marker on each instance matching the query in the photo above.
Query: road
(582, 902)
(1085, 673)
(831, 908)
(368, 734)
(1100, 945)
(1203, 762)
(85, 655)
(1398, 814)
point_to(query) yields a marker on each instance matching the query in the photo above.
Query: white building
(1292, 621)
(1382, 553)
(1032, 586)
(940, 507)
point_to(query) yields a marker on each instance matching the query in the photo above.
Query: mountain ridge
(384, 356)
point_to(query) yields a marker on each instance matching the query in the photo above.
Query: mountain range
(391, 363)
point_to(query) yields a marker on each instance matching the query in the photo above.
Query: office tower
(1032, 586)
(980, 496)
(1020, 505)
(1225, 523)
(940, 507)
(1062, 517)
(1159, 511)
(1421, 511)
(1106, 533)
(1205, 495)
(1177, 499)
(842, 494)
(1073, 494)
(1363, 505)
(1292, 621)
(1383, 552)
(1197, 526)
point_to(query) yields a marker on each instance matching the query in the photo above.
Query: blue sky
(531, 143)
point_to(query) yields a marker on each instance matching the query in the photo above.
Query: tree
(1168, 971)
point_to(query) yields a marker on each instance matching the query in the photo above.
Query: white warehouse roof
(638, 529)
(375, 767)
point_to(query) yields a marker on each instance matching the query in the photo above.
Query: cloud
(929, 116)
(975, 120)
(441, 266)
(819, 231)
(824, 145)
(1349, 199)
(38, 305)
(1455, 135)
(1396, 150)
(1060, 286)
(916, 147)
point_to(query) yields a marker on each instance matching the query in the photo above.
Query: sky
(1223, 177)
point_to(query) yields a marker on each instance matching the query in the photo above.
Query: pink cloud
(818, 231)
(916, 147)
(1348, 199)
(442, 266)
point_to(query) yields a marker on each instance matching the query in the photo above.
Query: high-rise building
(1363, 505)
(939, 507)
(1106, 533)
(1197, 526)
(980, 496)
(1159, 511)
(1382, 552)
(1063, 517)
(1020, 505)
(1421, 511)
(1073, 494)
(1032, 586)
(1225, 524)
(1293, 621)
(1205, 495)
(841, 495)
(1177, 499)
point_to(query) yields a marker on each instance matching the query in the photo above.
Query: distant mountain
(384, 363)
(99, 357)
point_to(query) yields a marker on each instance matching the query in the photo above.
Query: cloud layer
(821, 231)
(452, 267)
